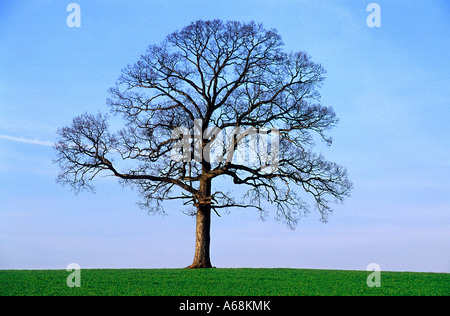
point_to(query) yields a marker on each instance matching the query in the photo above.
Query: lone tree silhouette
(210, 77)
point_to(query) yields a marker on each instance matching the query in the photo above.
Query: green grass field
(223, 282)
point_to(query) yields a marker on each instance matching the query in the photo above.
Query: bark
(202, 242)
(203, 230)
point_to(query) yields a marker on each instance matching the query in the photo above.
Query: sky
(388, 85)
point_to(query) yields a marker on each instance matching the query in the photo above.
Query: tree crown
(212, 77)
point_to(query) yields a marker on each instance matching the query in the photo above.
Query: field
(221, 282)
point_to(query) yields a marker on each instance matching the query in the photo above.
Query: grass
(221, 282)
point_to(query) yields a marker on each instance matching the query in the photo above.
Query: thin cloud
(27, 140)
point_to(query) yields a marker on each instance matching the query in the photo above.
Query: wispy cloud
(27, 140)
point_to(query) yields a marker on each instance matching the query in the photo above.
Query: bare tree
(209, 77)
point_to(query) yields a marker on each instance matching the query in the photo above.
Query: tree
(189, 106)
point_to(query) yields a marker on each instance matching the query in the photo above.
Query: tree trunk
(202, 242)
(202, 233)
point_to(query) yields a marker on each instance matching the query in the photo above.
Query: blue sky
(389, 86)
